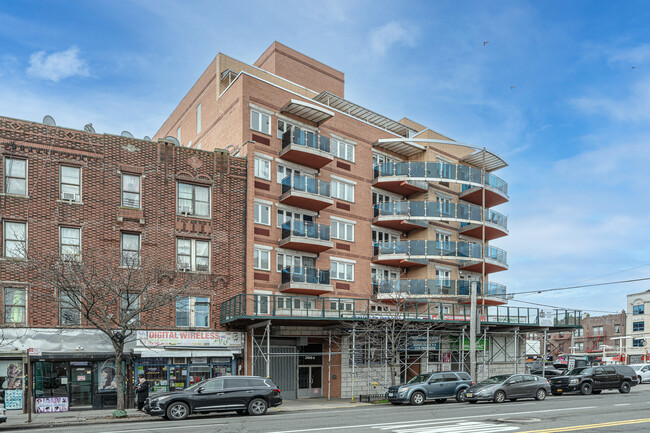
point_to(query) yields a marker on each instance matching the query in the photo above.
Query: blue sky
(561, 91)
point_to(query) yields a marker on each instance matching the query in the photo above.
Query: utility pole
(473, 294)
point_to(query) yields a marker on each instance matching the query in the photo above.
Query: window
(15, 176)
(383, 236)
(444, 277)
(260, 122)
(262, 214)
(129, 306)
(131, 191)
(342, 190)
(261, 259)
(284, 126)
(193, 255)
(263, 168)
(296, 261)
(193, 312)
(14, 301)
(70, 315)
(638, 342)
(637, 309)
(178, 134)
(598, 330)
(340, 305)
(15, 240)
(70, 178)
(193, 200)
(378, 197)
(638, 326)
(342, 271)
(342, 230)
(70, 243)
(130, 250)
(444, 203)
(261, 304)
(617, 329)
(342, 150)
(579, 332)
(284, 171)
(580, 346)
(378, 158)
(286, 215)
(198, 119)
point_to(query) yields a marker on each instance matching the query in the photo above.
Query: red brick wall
(102, 158)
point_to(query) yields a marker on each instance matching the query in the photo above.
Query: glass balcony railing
(437, 287)
(440, 171)
(463, 250)
(432, 209)
(306, 184)
(304, 274)
(496, 254)
(306, 229)
(305, 138)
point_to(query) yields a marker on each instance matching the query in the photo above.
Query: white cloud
(633, 106)
(383, 38)
(57, 66)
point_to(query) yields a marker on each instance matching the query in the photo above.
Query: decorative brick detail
(343, 206)
(261, 140)
(342, 286)
(262, 185)
(261, 231)
(341, 246)
(343, 165)
(261, 276)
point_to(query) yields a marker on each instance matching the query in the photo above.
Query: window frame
(124, 309)
(123, 191)
(63, 308)
(257, 258)
(193, 200)
(346, 184)
(258, 207)
(67, 256)
(257, 168)
(638, 309)
(5, 239)
(22, 306)
(6, 177)
(346, 144)
(62, 184)
(260, 300)
(260, 121)
(638, 326)
(138, 251)
(334, 274)
(193, 255)
(338, 222)
(198, 118)
(192, 311)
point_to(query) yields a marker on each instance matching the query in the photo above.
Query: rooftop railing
(306, 184)
(433, 209)
(305, 229)
(440, 172)
(305, 138)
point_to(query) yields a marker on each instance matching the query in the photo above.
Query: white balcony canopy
(400, 146)
(308, 111)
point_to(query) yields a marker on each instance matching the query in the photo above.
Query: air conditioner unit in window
(185, 210)
(70, 196)
(184, 268)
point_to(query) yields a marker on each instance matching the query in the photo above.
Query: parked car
(509, 387)
(588, 380)
(431, 386)
(548, 372)
(250, 395)
(642, 371)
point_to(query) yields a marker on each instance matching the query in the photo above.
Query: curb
(93, 421)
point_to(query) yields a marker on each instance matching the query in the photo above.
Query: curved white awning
(308, 111)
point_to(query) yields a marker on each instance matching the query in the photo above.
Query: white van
(643, 371)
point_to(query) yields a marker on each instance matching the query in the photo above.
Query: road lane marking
(456, 427)
(163, 428)
(622, 404)
(591, 426)
(405, 424)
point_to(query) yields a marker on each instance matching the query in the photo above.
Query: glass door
(81, 385)
(310, 381)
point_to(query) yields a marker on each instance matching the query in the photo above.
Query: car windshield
(420, 378)
(581, 370)
(494, 380)
(195, 386)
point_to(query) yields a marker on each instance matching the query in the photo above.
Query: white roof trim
(308, 111)
(404, 147)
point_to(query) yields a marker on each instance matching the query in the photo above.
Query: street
(607, 412)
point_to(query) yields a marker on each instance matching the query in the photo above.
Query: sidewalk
(18, 420)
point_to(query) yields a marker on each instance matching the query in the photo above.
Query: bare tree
(111, 292)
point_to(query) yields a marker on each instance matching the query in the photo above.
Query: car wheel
(586, 389)
(499, 397)
(417, 398)
(557, 393)
(178, 411)
(540, 394)
(625, 387)
(596, 392)
(242, 412)
(460, 396)
(257, 406)
(441, 400)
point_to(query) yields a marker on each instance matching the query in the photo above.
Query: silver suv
(431, 386)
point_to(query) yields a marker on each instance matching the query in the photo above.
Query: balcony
(329, 310)
(306, 193)
(407, 254)
(407, 177)
(306, 148)
(305, 236)
(495, 294)
(306, 281)
(496, 260)
(409, 215)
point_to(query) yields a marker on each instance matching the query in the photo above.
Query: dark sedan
(243, 394)
(509, 387)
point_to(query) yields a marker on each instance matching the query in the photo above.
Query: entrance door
(81, 381)
(310, 381)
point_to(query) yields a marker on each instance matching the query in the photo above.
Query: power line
(582, 286)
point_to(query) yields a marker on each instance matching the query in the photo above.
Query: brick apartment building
(68, 190)
(348, 211)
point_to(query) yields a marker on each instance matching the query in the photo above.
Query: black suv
(594, 380)
(244, 394)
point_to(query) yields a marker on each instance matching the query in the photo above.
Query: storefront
(173, 360)
(12, 379)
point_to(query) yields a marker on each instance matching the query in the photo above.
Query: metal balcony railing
(306, 184)
(438, 210)
(304, 274)
(305, 229)
(440, 172)
(437, 287)
(305, 138)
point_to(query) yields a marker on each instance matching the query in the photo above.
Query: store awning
(146, 352)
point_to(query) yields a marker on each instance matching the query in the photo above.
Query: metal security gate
(283, 369)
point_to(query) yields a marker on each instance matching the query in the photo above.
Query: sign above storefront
(189, 339)
(35, 352)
